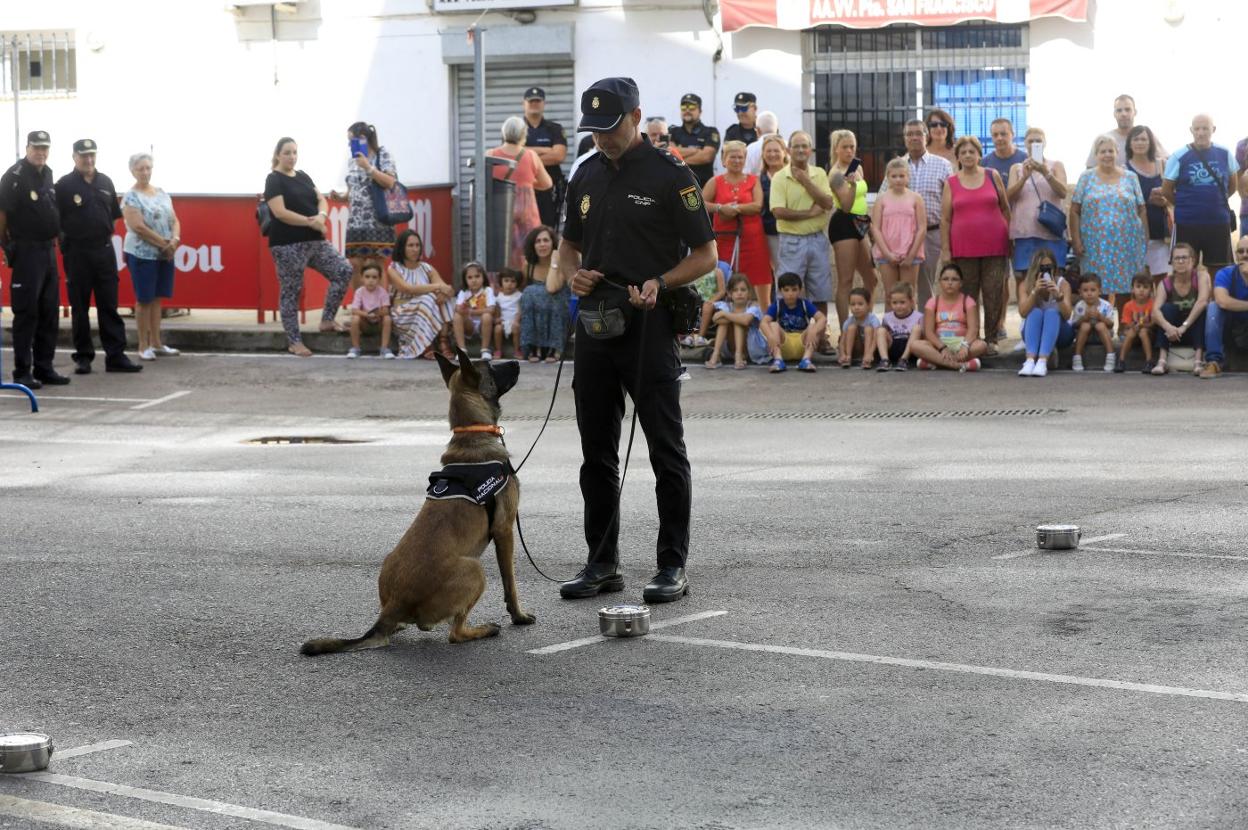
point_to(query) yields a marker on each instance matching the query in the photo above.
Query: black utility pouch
(685, 305)
(604, 319)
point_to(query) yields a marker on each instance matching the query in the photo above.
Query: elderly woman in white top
(152, 238)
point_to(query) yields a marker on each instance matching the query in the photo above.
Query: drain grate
(887, 415)
(303, 439)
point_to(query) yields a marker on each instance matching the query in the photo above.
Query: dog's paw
(523, 618)
(492, 629)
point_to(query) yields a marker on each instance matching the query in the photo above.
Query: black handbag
(264, 217)
(685, 304)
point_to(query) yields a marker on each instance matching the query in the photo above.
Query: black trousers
(550, 203)
(35, 290)
(605, 369)
(93, 270)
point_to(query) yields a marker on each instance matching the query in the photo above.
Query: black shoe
(668, 585)
(1120, 367)
(51, 377)
(27, 380)
(82, 366)
(121, 364)
(592, 581)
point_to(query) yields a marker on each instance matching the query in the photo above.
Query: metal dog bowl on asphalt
(24, 752)
(1058, 537)
(624, 620)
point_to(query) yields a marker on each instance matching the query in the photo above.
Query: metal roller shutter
(504, 90)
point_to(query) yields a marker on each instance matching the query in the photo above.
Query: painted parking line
(598, 638)
(1178, 553)
(992, 671)
(1019, 554)
(204, 805)
(140, 403)
(45, 813)
(165, 399)
(102, 746)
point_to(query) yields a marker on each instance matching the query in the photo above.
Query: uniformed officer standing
(745, 105)
(546, 138)
(702, 141)
(29, 224)
(632, 209)
(87, 202)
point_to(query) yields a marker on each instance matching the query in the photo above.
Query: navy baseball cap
(535, 92)
(691, 98)
(38, 138)
(745, 99)
(606, 102)
(84, 145)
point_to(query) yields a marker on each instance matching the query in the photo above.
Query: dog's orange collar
(492, 429)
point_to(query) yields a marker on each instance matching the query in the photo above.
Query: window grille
(873, 81)
(46, 64)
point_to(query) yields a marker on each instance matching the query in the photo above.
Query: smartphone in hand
(853, 167)
(1036, 149)
(359, 146)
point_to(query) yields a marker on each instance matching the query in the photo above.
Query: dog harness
(478, 483)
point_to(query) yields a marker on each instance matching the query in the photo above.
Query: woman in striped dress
(422, 300)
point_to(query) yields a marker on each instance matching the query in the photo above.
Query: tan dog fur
(434, 572)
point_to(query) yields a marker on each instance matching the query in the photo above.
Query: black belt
(933, 227)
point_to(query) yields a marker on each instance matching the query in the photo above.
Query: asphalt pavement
(872, 639)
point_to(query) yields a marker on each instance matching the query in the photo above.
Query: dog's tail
(375, 637)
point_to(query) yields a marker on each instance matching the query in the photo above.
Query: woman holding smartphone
(371, 164)
(847, 229)
(1044, 305)
(1032, 183)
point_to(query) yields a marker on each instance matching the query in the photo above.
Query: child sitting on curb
(792, 326)
(1136, 323)
(508, 325)
(858, 333)
(1092, 314)
(737, 327)
(370, 307)
(474, 309)
(950, 327)
(893, 337)
(711, 288)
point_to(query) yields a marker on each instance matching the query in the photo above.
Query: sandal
(299, 350)
(740, 364)
(427, 354)
(534, 359)
(711, 364)
(333, 325)
(554, 358)
(1160, 368)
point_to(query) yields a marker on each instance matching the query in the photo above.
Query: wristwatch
(662, 283)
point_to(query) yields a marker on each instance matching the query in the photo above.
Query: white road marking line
(47, 397)
(202, 804)
(1181, 554)
(42, 811)
(1021, 553)
(62, 754)
(165, 399)
(598, 638)
(1016, 674)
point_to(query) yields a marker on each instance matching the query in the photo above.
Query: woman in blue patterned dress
(544, 313)
(1108, 222)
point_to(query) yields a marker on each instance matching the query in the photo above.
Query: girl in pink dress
(898, 228)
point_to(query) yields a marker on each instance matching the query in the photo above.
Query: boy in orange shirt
(1136, 322)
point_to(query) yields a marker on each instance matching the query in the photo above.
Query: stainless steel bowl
(24, 752)
(1058, 537)
(624, 620)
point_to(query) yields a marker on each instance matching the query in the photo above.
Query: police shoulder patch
(691, 198)
(715, 135)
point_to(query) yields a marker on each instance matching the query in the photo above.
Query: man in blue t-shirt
(1228, 313)
(1197, 181)
(1004, 153)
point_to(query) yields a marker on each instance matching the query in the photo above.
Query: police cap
(84, 145)
(38, 138)
(606, 102)
(744, 99)
(691, 98)
(535, 93)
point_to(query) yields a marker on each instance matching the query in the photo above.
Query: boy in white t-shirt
(1091, 314)
(475, 309)
(370, 307)
(508, 298)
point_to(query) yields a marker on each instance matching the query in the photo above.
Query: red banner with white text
(224, 262)
(870, 14)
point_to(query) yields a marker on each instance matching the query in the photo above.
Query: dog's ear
(470, 374)
(448, 368)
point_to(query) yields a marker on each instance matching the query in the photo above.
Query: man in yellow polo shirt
(802, 225)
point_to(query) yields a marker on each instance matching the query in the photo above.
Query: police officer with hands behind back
(632, 209)
(29, 224)
(87, 202)
(546, 138)
(702, 141)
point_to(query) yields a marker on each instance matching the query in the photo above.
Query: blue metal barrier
(34, 402)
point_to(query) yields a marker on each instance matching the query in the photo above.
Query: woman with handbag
(152, 236)
(529, 176)
(371, 167)
(734, 199)
(1035, 192)
(1108, 224)
(1143, 161)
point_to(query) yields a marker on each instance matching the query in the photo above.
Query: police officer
(632, 209)
(745, 105)
(702, 141)
(87, 202)
(29, 224)
(546, 138)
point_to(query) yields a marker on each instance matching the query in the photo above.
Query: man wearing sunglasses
(745, 105)
(701, 141)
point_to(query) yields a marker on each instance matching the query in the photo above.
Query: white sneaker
(486, 354)
(167, 351)
(1019, 347)
(147, 354)
(1027, 369)
(353, 353)
(386, 354)
(1042, 369)
(1110, 360)
(684, 376)
(1076, 364)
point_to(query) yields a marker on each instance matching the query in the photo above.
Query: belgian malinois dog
(434, 573)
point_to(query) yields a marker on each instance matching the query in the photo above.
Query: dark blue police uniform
(632, 222)
(736, 132)
(89, 211)
(696, 136)
(549, 134)
(28, 201)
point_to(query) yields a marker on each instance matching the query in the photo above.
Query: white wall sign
(494, 5)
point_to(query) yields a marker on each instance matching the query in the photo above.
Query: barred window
(38, 64)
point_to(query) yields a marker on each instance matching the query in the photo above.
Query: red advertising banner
(224, 262)
(870, 14)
